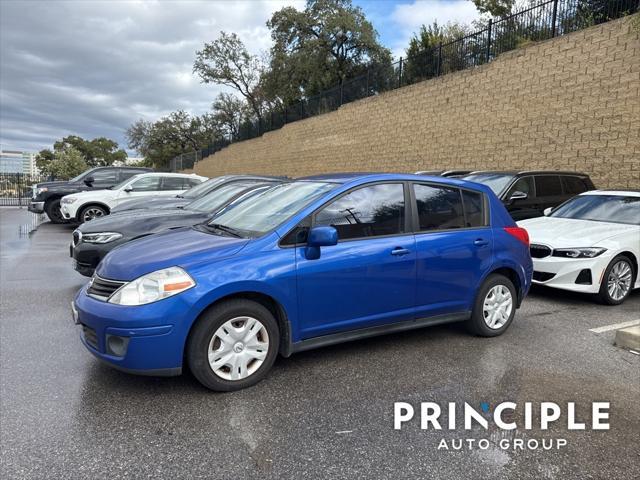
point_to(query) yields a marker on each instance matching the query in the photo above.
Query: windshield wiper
(224, 228)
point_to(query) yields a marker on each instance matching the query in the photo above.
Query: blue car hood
(184, 247)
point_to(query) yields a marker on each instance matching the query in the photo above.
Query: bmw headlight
(153, 286)
(586, 252)
(102, 237)
(68, 199)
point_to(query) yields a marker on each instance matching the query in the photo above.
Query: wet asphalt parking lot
(321, 414)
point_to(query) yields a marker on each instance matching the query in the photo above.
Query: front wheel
(233, 345)
(616, 281)
(494, 308)
(53, 211)
(92, 212)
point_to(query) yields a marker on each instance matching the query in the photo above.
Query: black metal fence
(546, 20)
(15, 188)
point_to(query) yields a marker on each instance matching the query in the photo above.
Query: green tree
(423, 57)
(43, 159)
(319, 47)
(228, 112)
(497, 8)
(172, 135)
(226, 61)
(96, 153)
(66, 163)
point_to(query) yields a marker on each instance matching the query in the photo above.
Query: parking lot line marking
(615, 326)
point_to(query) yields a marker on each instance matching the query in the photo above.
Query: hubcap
(619, 281)
(238, 348)
(497, 306)
(92, 213)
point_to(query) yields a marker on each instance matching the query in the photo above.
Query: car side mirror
(547, 211)
(128, 189)
(89, 181)
(320, 236)
(518, 196)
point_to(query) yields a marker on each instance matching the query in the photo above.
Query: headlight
(68, 199)
(153, 287)
(586, 252)
(102, 237)
(41, 189)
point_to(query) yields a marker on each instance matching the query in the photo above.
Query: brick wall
(570, 103)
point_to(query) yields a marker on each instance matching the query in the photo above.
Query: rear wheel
(617, 281)
(233, 345)
(53, 211)
(494, 308)
(92, 212)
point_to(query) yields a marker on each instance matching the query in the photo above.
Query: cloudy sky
(92, 67)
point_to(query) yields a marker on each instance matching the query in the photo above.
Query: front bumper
(66, 213)
(87, 256)
(154, 334)
(36, 207)
(567, 273)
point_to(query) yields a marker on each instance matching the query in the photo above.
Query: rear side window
(439, 208)
(473, 209)
(366, 212)
(548, 186)
(175, 183)
(573, 185)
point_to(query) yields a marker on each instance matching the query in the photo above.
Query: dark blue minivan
(306, 263)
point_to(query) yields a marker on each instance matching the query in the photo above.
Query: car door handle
(481, 242)
(400, 251)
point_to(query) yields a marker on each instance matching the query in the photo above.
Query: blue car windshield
(264, 212)
(601, 208)
(495, 181)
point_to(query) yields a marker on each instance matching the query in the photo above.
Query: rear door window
(473, 209)
(573, 185)
(548, 186)
(175, 183)
(439, 207)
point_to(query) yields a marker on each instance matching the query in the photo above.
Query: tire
(91, 212)
(53, 211)
(205, 339)
(499, 313)
(620, 272)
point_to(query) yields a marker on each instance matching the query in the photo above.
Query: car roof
(340, 177)
(529, 172)
(169, 174)
(622, 193)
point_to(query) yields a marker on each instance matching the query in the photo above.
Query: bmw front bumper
(575, 274)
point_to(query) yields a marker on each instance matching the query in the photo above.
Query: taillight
(518, 232)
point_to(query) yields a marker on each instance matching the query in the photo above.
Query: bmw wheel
(494, 308)
(233, 345)
(617, 281)
(92, 212)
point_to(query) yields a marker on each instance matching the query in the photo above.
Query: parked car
(527, 194)
(85, 206)
(306, 264)
(190, 195)
(46, 195)
(444, 173)
(93, 240)
(590, 244)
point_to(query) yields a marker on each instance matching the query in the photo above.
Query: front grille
(77, 237)
(101, 288)
(542, 276)
(539, 251)
(90, 336)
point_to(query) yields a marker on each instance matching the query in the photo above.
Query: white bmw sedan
(589, 244)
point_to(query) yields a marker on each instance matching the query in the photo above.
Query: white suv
(85, 206)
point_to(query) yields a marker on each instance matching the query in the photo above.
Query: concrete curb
(628, 338)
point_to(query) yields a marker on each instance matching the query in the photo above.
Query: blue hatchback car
(307, 263)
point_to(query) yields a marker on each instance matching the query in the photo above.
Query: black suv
(528, 194)
(46, 196)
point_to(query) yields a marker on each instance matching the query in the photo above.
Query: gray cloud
(91, 68)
